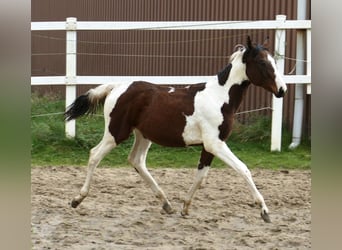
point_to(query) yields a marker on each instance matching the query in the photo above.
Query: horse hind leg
(96, 155)
(137, 158)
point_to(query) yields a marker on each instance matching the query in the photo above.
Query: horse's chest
(205, 120)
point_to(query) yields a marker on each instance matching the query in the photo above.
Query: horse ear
(249, 43)
(248, 51)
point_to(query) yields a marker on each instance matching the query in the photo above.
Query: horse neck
(236, 94)
(235, 82)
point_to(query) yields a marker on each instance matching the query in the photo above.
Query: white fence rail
(70, 80)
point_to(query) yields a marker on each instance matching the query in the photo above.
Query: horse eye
(265, 68)
(263, 63)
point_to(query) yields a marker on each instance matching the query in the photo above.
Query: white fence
(70, 80)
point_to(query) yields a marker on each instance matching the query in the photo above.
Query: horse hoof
(184, 214)
(75, 203)
(167, 208)
(265, 217)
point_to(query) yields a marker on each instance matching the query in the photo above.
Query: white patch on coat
(278, 79)
(203, 124)
(172, 89)
(111, 100)
(100, 91)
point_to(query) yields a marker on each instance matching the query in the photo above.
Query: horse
(199, 114)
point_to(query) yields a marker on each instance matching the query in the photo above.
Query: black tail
(79, 107)
(88, 103)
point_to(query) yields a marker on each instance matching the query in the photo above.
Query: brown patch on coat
(157, 113)
(259, 69)
(205, 160)
(236, 94)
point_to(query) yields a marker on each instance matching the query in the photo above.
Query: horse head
(262, 70)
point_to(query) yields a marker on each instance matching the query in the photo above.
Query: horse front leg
(220, 149)
(202, 171)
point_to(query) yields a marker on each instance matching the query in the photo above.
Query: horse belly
(163, 134)
(163, 128)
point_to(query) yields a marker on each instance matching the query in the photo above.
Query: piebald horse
(197, 114)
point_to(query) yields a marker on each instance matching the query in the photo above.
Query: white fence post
(277, 103)
(70, 79)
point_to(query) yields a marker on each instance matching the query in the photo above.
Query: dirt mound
(121, 212)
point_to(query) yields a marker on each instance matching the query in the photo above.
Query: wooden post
(277, 103)
(70, 79)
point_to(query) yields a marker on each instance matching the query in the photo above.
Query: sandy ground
(121, 212)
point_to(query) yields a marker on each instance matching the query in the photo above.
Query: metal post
(308, 59)
(277, 103)
(299, 88)
(70, 79)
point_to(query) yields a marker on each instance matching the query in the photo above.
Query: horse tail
(88, 102)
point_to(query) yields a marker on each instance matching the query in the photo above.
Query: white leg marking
(221, 150)
(137, 158)
(205, 179)
(96, 155)
(200, 176)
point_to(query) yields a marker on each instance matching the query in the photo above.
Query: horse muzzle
(281, 93)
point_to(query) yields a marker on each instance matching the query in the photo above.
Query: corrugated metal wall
(143, 52)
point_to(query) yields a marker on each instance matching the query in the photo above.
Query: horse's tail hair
(88, 102)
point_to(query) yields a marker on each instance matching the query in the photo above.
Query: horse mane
(239, 48)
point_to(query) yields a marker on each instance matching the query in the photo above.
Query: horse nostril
(281, 92)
